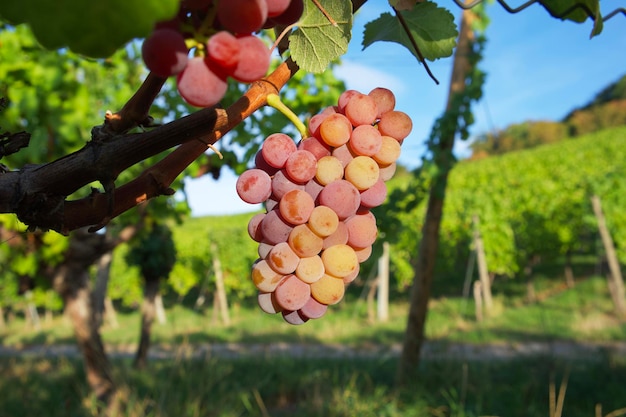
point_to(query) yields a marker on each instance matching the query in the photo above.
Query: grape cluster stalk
(209, 41)
(317, 227)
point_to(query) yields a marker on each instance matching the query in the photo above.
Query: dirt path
(432, 350)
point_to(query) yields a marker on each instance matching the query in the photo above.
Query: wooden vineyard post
(221, 303)
(478, 300)
(383, 284)
(616, 282)
(483, 273)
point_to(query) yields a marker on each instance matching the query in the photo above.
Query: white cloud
(364, 78)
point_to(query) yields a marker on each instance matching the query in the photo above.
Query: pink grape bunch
(318, 227)
(224, 47)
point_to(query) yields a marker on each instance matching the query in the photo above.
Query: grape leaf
(317, 42)
(95, 28)
(577, 11)
(432, 27)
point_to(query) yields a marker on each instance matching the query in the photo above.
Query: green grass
(581, 314)
(312, 387)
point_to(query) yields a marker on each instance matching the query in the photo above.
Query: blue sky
(537, 68)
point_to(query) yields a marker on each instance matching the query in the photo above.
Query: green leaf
(432, 28)
(95, 28)
(317, 42)
(576, 10)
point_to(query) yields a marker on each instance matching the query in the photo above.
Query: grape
(363, 254)
(361, 110)
(264, 277)
(277, 148)
(301, 166)
(242, 16)
(352, 276)
(274, 228)
(296, 206)
(375, 195)
(328, 290)
(386, 172)
(271, 204)
(310, 269)
(339, 260)
(254, 229)
(264, 249)
(342, 197)
(389, 151)
(344, 154)
(223, 49)
(276, 7)
(261, 163)
(294, 317)
(335, 130)
(281, 184)
(254, 186)
(313, 188)
(384, 99)
(291, 293)
(267, 303)
(365, 140)
(164, 52)
(362, 172)
(313, 309)
(255, 59)
(344, 98)
(323, 221)
(304, 242)
(338, 237)
(329, 169)
(199, 85)
(316, 146)
(291, 14)
(362, 230)
(282, 259)
(396, 124)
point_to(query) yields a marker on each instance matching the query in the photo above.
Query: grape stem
(274, 101)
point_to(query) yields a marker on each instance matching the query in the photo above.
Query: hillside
(606, 109)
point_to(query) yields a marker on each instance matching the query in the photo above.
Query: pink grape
(294, 317)
(291, 293)
(199, 85)
(313, 309)
(264, 277)
(304, 242)
(275, 229)
(276, 149)
(301, 166)
(345, 97)
(335, 130)
(310, 269)
(264, 249)
(296, 206)
(281, 184)
(267, 303)
(164, 52)
(365, 140)
(255, 59)
(361, 110)
(254, 229)
(242, 16)
(363, 254)
(344, 154)
(291, 15)
(313, 188)
(389, 151)
(396, 124)
(260, 163)
(254, 186)
(386, 172)
(385, 100)
(282, 259)
(352, 276)
(362, 230)
(223, 49)
(271, 204)
(339, 236)
(316, 146)
(342, 197)
(328, 290)
(375, 195)
(277, 7)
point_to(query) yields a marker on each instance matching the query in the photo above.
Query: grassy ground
(297, 387)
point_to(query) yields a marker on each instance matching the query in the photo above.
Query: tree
(55, 192)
